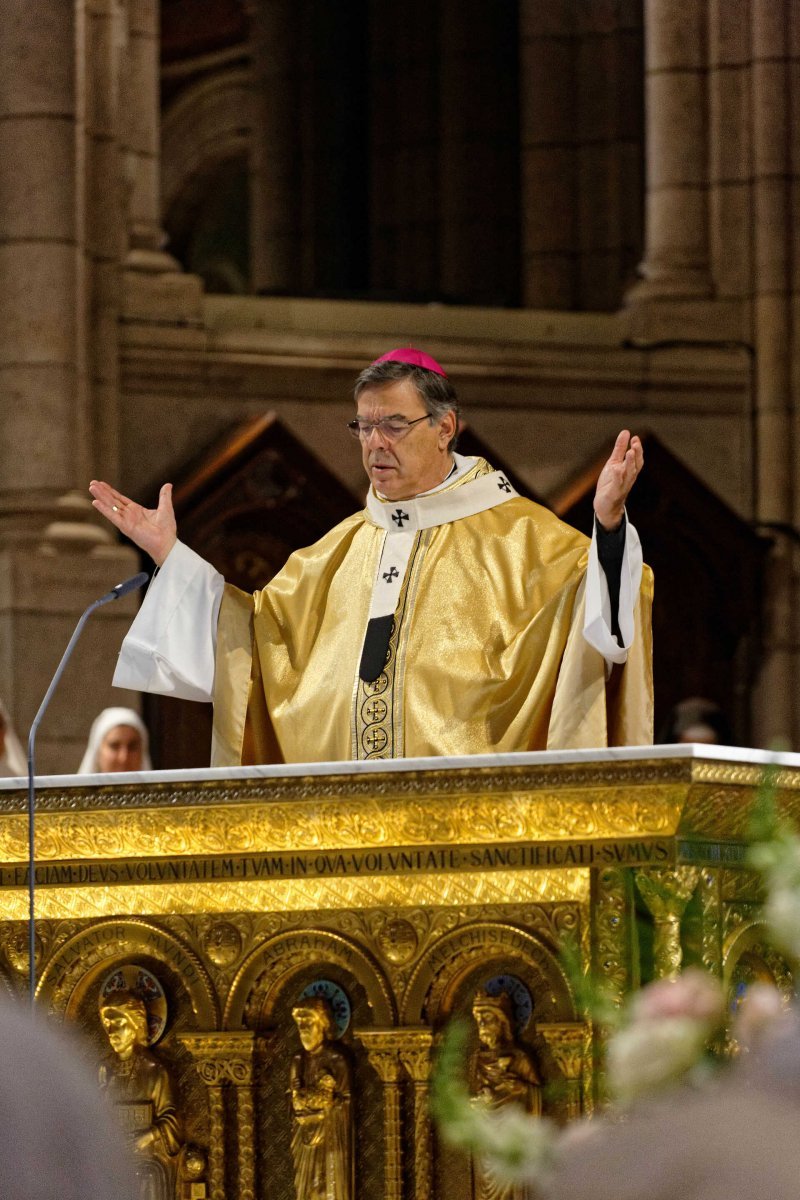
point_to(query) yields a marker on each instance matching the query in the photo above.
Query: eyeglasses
(392, 428)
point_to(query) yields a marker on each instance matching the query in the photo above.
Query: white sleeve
(597, 625)
(171, 645)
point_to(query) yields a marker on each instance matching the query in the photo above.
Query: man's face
(416, 462)
(121, 1030)
(310, 1027)
(490, 1027)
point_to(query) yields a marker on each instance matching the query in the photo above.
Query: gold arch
(278, 960)
(77, 963)
(482, 947)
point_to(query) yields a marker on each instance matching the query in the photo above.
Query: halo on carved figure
(142, 983)
(518, 994)
(336, 997)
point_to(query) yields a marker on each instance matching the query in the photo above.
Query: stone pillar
(153, 287)
(730, 223)
(225, 1060)
(415, 1056)
(568, 1042)
(383, 1047)
(404, 144)
(42, 461)
(146, 236)
(547, 154)
(104, 225)
(666, 892)
(675, 265)
(54, 556)
(479, 249)
(776, 333)
(275, 177)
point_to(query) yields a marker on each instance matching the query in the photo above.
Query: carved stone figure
(503, 1072)
(320, 1087)
(139, 1084)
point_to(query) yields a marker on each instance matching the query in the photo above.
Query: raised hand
(617, 478)
(152, 529)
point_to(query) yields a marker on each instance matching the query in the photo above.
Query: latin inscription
(347, 863)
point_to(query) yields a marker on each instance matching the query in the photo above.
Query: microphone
(121, 589)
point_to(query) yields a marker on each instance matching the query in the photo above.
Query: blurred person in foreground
(58, 1137)
(734, 1139)
(118, 741)
(12, 757)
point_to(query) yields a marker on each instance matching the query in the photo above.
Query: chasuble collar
(462, 495)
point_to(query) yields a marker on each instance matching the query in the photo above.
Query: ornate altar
(389, 896)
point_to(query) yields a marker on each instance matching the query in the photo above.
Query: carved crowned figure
(503, 1072)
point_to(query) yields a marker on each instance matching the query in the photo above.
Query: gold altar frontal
(395, 893)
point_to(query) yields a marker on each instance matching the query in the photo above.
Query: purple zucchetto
(415, 358)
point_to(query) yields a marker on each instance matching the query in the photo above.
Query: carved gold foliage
(611, 932)
(567, 1041)
(338, 825)
(709, 892)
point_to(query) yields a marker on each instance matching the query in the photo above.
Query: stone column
(104, 225)
(274, 195)
(41, 458)
(154, 289)
(146, 236)
(479, 247)
(666, 892)
(415, 1056)
(568, 1042)
(54, 556)
(383, 1047)
(547, 154)
(404, 144)
(776, 332)
(676, 260)
(224, 1060)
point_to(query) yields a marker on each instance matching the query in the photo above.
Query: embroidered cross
(391, 574)
(376, 739)
(376, 709)
(503, 484)
(400, 516)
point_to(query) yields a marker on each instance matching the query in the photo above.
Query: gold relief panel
(78, 963)
(458, 961)
(400, 938)
(292, 814)
(277, 965)
(458, 889)
(742, 887)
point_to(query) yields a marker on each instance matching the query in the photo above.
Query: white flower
(693, 994)
(649, 1054)
(514, 1145)
(762, 1011)
(782, 913)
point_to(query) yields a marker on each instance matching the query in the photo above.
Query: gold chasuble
(486, 652)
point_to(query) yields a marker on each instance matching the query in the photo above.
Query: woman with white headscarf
(12, 756)
(118, 741)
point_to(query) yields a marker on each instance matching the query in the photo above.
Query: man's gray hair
(435, 391)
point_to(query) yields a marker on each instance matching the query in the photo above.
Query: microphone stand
(122, 589)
